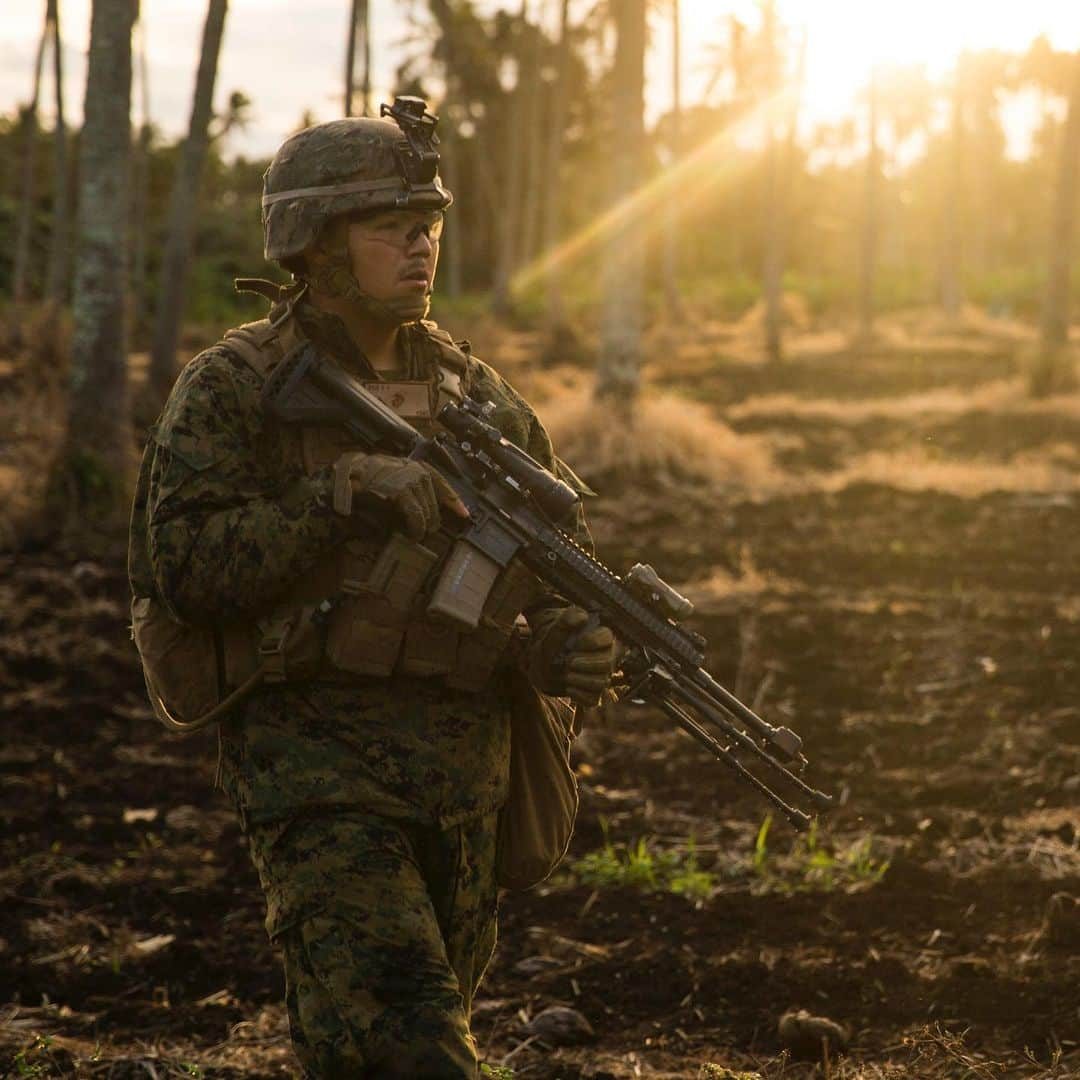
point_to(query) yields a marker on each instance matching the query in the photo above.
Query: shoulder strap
(452, 354)
(256, 344)
(452, 374)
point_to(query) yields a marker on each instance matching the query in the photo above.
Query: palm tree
(58, 245)
(756, 64)
(1055, 311)
(902, 96)
(509, 219)
(951, 261)
(553, 169)
(28, 193)
(671, 237)
(871, 199)
(178, 247)
(99, 431)
(141, 181)
(779, 163)
(619, 372)
(359, 23)
(534, 126)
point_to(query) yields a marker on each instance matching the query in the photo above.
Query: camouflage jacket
(225, 521)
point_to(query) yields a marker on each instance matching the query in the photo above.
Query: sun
(846, 39)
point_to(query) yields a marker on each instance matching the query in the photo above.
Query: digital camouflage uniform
(369, 804)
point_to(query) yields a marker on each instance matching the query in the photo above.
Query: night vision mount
(420, 162)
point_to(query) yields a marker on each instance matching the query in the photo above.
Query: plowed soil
(924, 642)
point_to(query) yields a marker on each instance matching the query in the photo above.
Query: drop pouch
(537, 821)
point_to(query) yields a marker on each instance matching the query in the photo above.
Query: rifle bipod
(656, 685)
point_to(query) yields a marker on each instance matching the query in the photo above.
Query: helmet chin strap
(334, 277)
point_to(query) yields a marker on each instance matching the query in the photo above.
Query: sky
(288, 55)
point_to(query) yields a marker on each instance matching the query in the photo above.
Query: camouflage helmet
(358, 163)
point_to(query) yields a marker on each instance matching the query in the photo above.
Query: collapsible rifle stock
(515, 505)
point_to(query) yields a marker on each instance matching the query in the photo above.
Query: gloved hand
(414, 488)
(566, 659)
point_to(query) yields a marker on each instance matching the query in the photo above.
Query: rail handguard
(515, 508)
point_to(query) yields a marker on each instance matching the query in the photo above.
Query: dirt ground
(901, 585)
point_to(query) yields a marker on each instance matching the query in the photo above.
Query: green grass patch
(643, 866)
(815, 866)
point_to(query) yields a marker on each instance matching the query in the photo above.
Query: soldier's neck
(376, 339)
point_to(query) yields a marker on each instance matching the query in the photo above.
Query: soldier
(369, 767)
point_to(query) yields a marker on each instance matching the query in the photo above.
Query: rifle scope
(468, 424)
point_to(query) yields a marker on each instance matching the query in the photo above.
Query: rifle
(515, 505)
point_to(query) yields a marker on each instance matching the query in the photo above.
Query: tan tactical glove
(567, 657)
(413, 488)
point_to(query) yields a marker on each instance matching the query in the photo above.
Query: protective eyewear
(402, 228)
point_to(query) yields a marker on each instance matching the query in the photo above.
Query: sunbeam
(687, 179)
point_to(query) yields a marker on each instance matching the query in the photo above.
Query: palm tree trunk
(870, 221)
(28, 194)
(359, 25)
(671, 237)
(185, 193)
(619, 372)
(365, 56)
(951, 296)
(100, 421)
(506, 255)
(534, 126)
(450, 167)
(58, 246)
(774, 256)
(1055, 312)
(141, 184)
(553, 171)
(780, 164)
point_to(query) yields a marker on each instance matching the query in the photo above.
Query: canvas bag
(537, 821)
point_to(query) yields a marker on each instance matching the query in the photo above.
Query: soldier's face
(393, 256)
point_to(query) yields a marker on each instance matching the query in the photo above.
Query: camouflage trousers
(385, 929)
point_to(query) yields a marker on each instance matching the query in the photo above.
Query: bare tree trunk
(450, 167)
(951, 295)
(365, 56)
(350, 55)
(553, 170)
(359, 24)
(1055, 312)
(58, 245)
(534, 117)
(619, 372)
(671, 238)
(141, 183)
(506, 255)
(178, 248)
(870, 222)
(774, 258)
(99, 431)
(28, 194)
(780, 164)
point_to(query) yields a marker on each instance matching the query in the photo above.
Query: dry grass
(1050, 471)
(667, 439)
(794, 315)
(1007, 396)
(675, 439)
(34, 349)
(256, 1047)
(922, 323)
